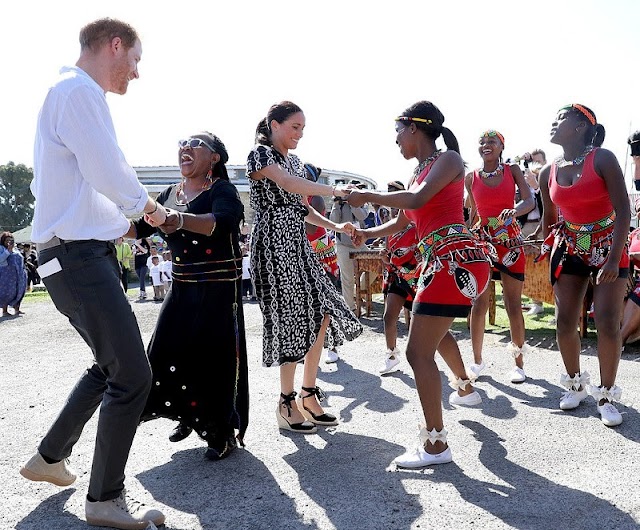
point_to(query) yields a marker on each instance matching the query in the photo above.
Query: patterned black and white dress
(293, 290)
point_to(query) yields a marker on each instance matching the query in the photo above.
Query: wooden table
(366, 262)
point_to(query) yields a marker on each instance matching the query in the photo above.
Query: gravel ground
(519, 462)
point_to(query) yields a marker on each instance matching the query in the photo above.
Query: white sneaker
(572, 398)
(468, 401)
(391, 362)
(332, 357)
(122, 512)
(37, 469)
(536, 309)
(609, 414)
(476, 369)
(418, 457)
(517, 375)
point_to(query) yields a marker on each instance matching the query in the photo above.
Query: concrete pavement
(519, 462)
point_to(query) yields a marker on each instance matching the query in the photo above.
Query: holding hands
(343, 190)
(358, 237)
(172, 223)
(346, 228)
(357, 198)
(157, 216)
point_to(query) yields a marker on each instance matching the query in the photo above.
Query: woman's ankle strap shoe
(304, 427)
(319, 419)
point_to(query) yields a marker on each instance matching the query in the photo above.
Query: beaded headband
(492, 133)
(409, 118)
(582, 110)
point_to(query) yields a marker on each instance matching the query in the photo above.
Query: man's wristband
(154, 210)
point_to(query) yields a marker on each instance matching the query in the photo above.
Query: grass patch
(538, 328)
(38, 295)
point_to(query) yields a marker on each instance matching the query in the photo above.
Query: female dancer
(631, 313)
(587, 186)
(301, 308)
(198, 350)
(493, 216)
(455, 268)
(401, 258)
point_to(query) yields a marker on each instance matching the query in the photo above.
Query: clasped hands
(169, 223)
(354, 196)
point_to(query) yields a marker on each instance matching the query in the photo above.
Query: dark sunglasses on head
(194, 143)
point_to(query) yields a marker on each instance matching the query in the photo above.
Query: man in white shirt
(84, 188)
(342, 212)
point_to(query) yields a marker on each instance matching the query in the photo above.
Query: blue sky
(351, 65)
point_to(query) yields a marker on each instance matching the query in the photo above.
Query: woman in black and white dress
(302, 310)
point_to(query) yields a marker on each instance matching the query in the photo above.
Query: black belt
(56, 241)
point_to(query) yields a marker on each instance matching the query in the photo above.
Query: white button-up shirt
(82, 183)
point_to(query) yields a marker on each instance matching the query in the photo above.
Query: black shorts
(575, 266)
(394, 288)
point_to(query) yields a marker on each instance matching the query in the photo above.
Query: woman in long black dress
(301, 308)
(198, 349)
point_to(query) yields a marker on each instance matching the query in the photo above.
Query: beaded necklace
(488, 174)
(561, 162)
(425, 163)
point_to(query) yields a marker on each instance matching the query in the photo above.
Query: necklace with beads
(488, 174)
(206, 185)
(425, 163)
(561, 162)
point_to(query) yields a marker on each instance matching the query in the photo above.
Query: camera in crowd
(525, 159)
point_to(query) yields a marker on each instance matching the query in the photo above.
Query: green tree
(16, 199)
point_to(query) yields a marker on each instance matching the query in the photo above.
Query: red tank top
(634, 244)
(585, 201)
(491, 200)
(445, 208)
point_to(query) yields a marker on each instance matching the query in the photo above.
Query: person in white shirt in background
(84, 190)
(167, 270)
(156, 279)
(247, 286)
(154, 253)
(534, 162)
(342, 212)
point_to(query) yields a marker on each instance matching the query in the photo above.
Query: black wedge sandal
(304, 427)
(320, 419)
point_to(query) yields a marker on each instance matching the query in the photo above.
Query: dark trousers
(247, 287)
(142, 277)
(88, 292)
(124, 278)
